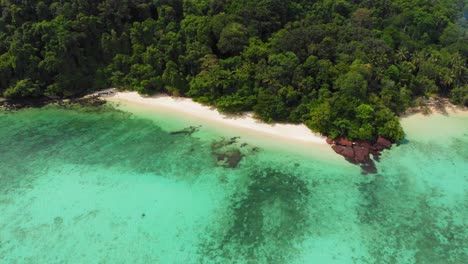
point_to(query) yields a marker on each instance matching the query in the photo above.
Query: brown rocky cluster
(360, 151)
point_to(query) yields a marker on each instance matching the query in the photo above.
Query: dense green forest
(344, 68)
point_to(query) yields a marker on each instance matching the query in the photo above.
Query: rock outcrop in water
(229, 152)
(360, 151)
(229, 159)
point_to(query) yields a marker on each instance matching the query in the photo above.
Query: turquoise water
(87, 185)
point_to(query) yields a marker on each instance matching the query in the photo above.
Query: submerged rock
(228, 152)
(229, 159)
(186, 131)
(233, 158)
(368, 168)
(233, 140)
(58, 220)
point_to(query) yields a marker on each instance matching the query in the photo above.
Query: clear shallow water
(104, 186)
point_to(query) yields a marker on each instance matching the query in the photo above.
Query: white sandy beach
(188, 107)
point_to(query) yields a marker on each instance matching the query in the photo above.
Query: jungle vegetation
(343, 67)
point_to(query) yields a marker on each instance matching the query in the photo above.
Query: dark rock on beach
(337, 148)
(348, 152)
(383, 142)
(344, 142)
(16, 104)
(37, 102)
(93, 101)
(360, 151)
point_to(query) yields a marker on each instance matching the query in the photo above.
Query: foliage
(233, 39)
(22, 88)
(460, 95)
(344, 68)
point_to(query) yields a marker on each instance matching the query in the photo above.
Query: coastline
(176, 113)
(295, 137)
(436, 126)
(431, 106)
(434, 121)
(193, 109)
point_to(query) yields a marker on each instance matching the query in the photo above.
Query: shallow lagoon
(84, 185)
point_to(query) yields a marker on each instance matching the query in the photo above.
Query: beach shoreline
(431, 106)
(186, 106)
(296, 138)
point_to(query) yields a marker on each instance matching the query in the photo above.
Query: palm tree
(402, 54)
(458, 68)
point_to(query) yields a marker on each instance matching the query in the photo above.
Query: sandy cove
(296, 132)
